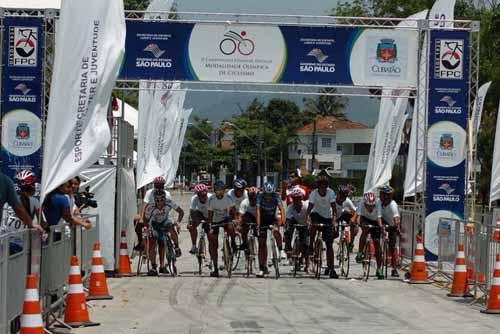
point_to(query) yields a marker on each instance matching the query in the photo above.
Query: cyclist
(391, 219)
(267, 203)
(157, 215)
(220, 211)
(198, 213)
(322, 210)
(149, 197)
(369, 213)
(248, 214)
(292, 183)
(296, 215)
(238, 194)
(346, 211)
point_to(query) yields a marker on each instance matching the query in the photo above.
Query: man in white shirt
(248, 215)
(346, 212)
(322, 210)
(296, 219)
(198, 213)
(392, 220)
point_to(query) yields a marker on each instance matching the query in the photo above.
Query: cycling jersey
(323, 204)
(299, 217)
(347, 206)
(196, 205)
(268, 208)
(160, 216)
(289, 200)
(220, 207)
(374, 215)
(246, 207)
(149, 197)
(237, 200)
(389, 212)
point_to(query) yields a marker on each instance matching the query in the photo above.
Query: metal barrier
(410, 225)
(85, 242)
(4, 259)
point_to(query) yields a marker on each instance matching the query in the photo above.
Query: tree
(326, 105)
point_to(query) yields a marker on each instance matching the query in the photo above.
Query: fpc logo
(449, 59)
(23, 46)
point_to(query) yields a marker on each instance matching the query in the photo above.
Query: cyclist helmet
(370, 198)
(269, 188)
(297, 192)
(387, 190)
(253, 191)
(239, 184)
(343, 190)
(25, 178)
(159, 181)
(200, 188)
(219, 185)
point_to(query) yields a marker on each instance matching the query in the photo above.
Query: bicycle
(251, 251)
(144, 252)
(298, 250)
(201, 250)
(227, 251)
(367, 254)
(344, 253)
(317, 254)
(271, 242)
(170, 253)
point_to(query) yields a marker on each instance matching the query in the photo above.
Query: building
(342, 147)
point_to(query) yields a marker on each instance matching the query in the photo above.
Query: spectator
(57, 206)
(8, 195)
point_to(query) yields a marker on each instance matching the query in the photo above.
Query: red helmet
(159, 181)
(370, 198)
(200, 188)
(25, 178)
(297, 192)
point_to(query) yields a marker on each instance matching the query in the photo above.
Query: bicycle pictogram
(26, 45)
(236, 42)
(452, 58)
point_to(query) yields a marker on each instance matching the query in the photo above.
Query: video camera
(85, 199)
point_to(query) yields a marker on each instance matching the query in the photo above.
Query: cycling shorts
(215, 229)
(159, 230)
(302, 231)
(327, 229)
(374, 231)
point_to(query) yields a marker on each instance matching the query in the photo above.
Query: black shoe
(327, 272)
(394, 273)
(265, 270)
(163, 270)
(333, 274)
(178, 252)
(214, 273)
(152, 272)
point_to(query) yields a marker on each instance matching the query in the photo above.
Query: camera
(85, 199)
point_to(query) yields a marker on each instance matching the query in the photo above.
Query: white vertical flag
(177, 142)
(90, 44)
(387, 136)
(444, 11)
(495, 168)
(477, 113)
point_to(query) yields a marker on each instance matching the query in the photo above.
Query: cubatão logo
(387, 51)
(446, 142)
(155, 50)
(236, 42)
(23, 46)
(318, 54)
(22, 131)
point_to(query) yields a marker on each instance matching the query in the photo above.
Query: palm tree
(327, 104)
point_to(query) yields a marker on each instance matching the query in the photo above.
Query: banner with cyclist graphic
(270, 54)
(447, 136)
(22, 94)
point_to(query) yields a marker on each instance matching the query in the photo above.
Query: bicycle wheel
(276, 260)
(344, 259)
(237, 252)
(227, 257)
(385, 256)
(170, 257)
(367, 260)
(318, 255)
(296, 257)
(201, 254)
(250, 256)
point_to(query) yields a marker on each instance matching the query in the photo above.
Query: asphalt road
(194, 304)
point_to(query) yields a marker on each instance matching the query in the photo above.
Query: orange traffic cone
(496, 233)
(418, 269)
(76, 313)
(460, 286)
(31, 319)
(98, 288)
(124, 268)
(494, 297)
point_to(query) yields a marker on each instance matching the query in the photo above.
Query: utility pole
(314, 145)
(259, 163)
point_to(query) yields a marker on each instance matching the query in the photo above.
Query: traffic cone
(418, 268)
(496, 233)
(494, 296)
(98, 288)
(76, 313)
(31, 318)
(460, 286)
(124, 268)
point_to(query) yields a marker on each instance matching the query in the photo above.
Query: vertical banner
(22, 94)
(446, 133)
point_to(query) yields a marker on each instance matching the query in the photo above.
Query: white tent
(131, 115)
(30, 4)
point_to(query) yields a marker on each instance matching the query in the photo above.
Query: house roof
(330, 125)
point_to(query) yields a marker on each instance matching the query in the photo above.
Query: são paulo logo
(236, 43)
(23, 46)
(387, 58)
(23, 96)
(447, 195)
(320, 66)
(448, 106)
(449, 54)
(155, 58)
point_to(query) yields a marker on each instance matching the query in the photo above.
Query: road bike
(170, 255)
(344, 253)
(299, 249)
(251, 251)
(367, 252)
(273, 246)
(201, 249)
(317, 251)
(227, 250)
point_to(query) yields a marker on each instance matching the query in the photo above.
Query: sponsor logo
(234, 42)
(22, 131)
(157, 61)
(23, 88)
(449, 108)
(23, 46)
(386, 62)
(23, 97)
(318, 54)
(387, 51)
(449, 59)
(447, 197)
(446, 142)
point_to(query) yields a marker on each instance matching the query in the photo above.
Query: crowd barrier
(48, 258)
(410, 226)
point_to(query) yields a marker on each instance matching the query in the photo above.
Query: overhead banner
(270, 54)
(447, 136)
(22, 94)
